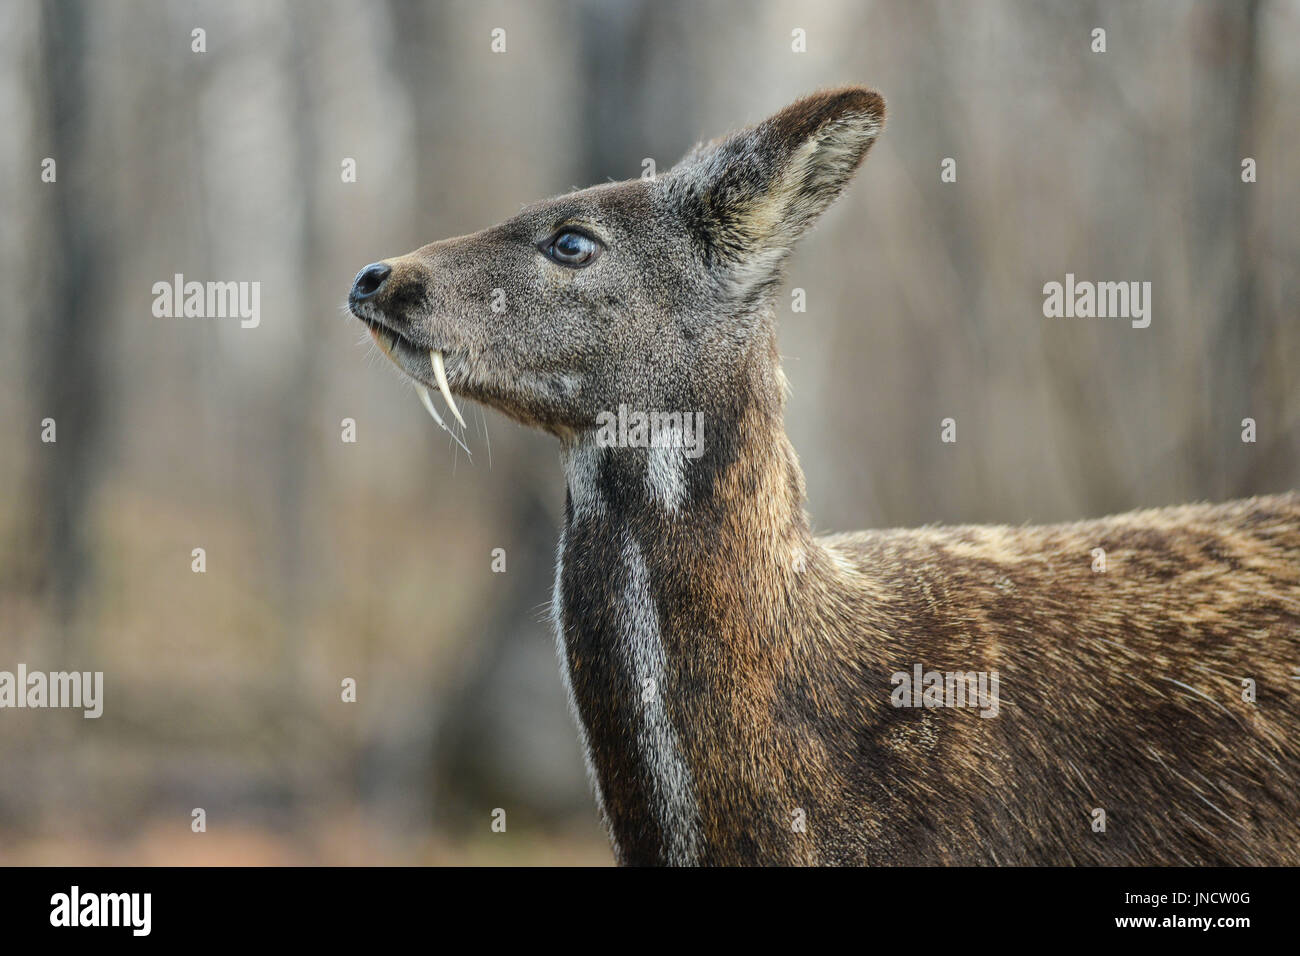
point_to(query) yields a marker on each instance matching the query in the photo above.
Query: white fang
(440, 376)
(427, 401)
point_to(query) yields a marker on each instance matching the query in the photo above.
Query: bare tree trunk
(67, 336)
(393, 765)
(416, 27)
(1220, 254)
(294, 408)
(624, 91)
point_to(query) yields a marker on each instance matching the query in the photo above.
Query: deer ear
(756, 191)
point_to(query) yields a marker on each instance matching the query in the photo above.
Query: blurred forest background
(371, 560)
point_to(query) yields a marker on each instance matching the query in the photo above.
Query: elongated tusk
(427, 400)
(428, 404)
(440, 373)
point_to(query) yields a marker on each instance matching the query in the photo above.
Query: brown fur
(1121, 690)
(731, 673)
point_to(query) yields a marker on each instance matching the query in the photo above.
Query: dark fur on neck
(1122, 690)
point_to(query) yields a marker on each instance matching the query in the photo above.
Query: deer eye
(571, 248)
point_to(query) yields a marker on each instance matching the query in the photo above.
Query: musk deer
(747, 692)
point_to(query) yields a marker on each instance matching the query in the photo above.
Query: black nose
(369, 280)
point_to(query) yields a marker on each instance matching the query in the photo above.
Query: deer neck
(671, 574)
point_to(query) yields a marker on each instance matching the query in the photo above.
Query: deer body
(771, 652)
(734, 677)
